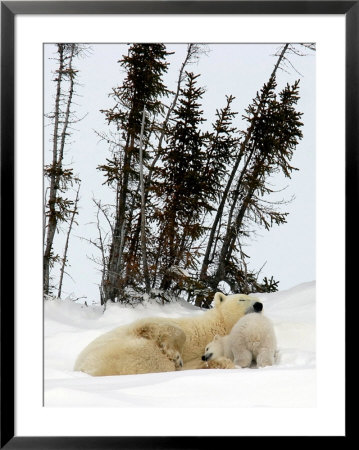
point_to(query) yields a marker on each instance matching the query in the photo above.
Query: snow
(291, 382)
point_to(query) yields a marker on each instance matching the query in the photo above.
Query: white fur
(252, 339)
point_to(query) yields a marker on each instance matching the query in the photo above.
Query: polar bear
(252, 339)
(162, 344)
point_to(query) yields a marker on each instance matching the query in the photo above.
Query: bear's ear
(219, 298)
(216, 337)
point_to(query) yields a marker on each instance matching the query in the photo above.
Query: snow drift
(69, 327)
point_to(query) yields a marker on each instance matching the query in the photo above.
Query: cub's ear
(219, 298)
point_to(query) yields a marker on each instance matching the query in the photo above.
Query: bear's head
(233, 307)
(214, 349)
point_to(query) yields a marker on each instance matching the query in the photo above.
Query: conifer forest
(182, 193)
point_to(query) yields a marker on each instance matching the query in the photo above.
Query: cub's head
(214, 349)
(233, 307)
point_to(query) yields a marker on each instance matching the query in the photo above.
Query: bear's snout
(258, 306)
(207, 356)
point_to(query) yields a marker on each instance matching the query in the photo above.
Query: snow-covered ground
(69, 327)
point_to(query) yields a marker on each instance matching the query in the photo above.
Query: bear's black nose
(258, 306)
(203, 358)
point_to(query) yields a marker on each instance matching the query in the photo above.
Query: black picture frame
(9, 10)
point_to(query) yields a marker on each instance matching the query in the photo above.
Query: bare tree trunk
(52, 221)
(243, 258)
(143, 216)
(58, 154)
(68, 104)
(44, 216)
(115, 259)
(233, 229)
(238, 187)
(57, 208)
(218, 216)
(101, 247)
(62, 270)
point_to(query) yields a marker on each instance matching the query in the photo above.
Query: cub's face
(214, 349)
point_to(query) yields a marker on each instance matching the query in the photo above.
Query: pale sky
(228, 69)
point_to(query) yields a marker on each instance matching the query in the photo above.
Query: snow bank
(69, 327)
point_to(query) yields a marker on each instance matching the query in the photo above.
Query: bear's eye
(242, 300)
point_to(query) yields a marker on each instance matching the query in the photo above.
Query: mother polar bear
(163, 344)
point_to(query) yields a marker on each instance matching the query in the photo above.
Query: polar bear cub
(252, 339)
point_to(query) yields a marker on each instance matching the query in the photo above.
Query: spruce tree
(276, 133)
(181, 184)
(142, 88)
(224, 258)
